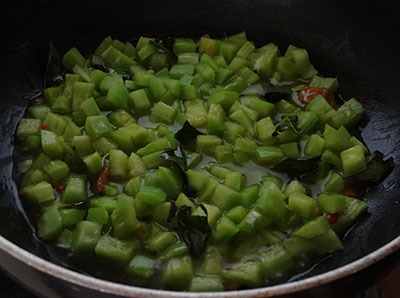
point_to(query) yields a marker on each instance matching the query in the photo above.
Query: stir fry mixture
(195, 165)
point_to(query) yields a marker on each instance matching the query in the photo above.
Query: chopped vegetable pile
(196, 165)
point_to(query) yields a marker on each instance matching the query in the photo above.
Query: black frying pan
(352, 41)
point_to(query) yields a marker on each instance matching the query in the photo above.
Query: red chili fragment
(318, 213)
(59, 188)
(333, 218)
(307, 94)
(349, 192)
(45, 126)
(39, 99)
(101, 181)
(21, 192)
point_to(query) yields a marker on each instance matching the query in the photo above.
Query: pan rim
(109, 287)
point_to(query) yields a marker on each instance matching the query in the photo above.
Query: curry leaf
(53, 71)
(175, 156)
(75, 163)
(161, 45)
(187, 134)
(165, 45)
(193, 229)
(288, 121)
(303, 166)
(377, 168)
(274, 97)
(177, 160)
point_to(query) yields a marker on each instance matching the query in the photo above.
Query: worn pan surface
(354, 42)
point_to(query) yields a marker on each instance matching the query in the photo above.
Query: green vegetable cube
(276, 261)
(245, 145)
(269, 154)
(249, 273)
(124, 220)
(140, 101)
(71, 130)
(264, 129)
(321, 108)
(57, 170)
(28, 127)
(50, 223)
(250, 195)
(142, 267)
(151, 195)
(119, 118)
(225, 197)
(328, 83)
(38, 111)
(208, 45)
(348, 114)
(114, 250)
(51, 144)
(294, 186)
(73, 57)
(211, 283)
(315, 227)
(81, 92)
(85, 237)
(177, 272)
(164, 113)
(196, 112)
(234, 180)
(82, 145)
(109, 203)
(75, 190)
(353, 160)
(314, 146)
(241, 116)
(97, 127)
(207, 144)
(98, 214)
(55, 123)
(335, 140)
(89, 107)
(302, 205)
(290, 150)
(160, 241)
(332, 203)
(71, 217)
(328, 243)
(103, 145)
(94, 163)
(299, 57)
(184, 45)
(215, 119)
(118, 164)
(223, 154)
(224, 98)
(268, 60)
(273, 206)
(335, 183)
(136, 165)
(225, 229)
(109, 81)
(197, 180)
(237, 214)
(39, 193)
